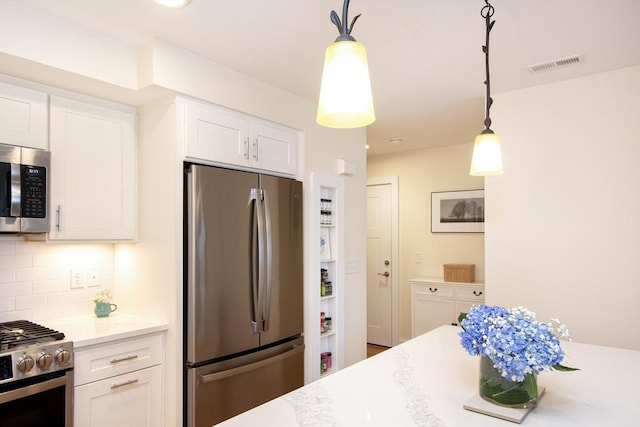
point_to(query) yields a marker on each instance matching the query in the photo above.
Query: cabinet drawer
(117, 358)
(133, 399)
(470, 294)
(433, 290)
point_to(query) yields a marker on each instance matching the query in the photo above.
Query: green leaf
(530, 384)
(461, 317)
(563, 368)
(509, 393)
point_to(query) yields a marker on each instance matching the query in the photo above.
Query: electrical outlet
(78, 278)
(93, 276)
(418, 258)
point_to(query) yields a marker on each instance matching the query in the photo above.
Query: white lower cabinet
(120, 383)
(126, 400)
(435, 302)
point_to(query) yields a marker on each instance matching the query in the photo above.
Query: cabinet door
(430, 313)
(274, 149)
(92, 172)
(23, 116)
(215, 136)
(132, 399)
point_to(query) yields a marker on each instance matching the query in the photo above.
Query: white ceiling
(425, 56)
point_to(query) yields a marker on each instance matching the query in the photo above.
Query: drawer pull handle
(477, 293)
(124, 359)
(115, 386)
(433, 289)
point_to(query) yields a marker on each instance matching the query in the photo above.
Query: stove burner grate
(23, 332)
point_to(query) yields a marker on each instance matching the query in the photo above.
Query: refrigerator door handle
(217, 376)
(262, 258)
(268, 260)
(254, 199)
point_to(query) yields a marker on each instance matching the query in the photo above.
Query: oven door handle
(30, 390)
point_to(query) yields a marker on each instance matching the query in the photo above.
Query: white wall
(563, 236)
(420, 173)
(36, 36)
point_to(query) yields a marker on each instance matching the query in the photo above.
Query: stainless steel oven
(36, 376)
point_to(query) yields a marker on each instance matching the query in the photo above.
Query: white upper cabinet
(221, 136)
(23, 116)
(93, 171)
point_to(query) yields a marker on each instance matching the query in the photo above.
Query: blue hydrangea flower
(514, 340)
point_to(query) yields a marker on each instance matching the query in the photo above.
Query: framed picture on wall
(457, 211)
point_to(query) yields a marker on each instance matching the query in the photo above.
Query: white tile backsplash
(15, 289)
(7, 276)
(35, 278)
(12, 261)
(7, 304)
(30, 301)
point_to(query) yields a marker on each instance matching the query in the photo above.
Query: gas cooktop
(28, 350)
(19, 333)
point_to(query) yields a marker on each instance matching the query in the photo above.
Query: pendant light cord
(487, 13)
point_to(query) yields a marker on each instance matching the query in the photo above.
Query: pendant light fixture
(487, 156)
(345, 92)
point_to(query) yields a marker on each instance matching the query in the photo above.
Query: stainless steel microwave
(24, 190)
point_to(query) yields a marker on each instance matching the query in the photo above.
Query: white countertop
(425, 382)
(89, 330)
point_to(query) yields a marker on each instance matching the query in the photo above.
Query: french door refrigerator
(243, 291)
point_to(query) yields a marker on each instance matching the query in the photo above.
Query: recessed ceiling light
(174, 4)
(395, 141)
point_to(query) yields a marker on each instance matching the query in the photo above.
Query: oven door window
(40, 404)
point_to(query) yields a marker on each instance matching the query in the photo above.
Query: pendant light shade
(487, 156)
(345, 92)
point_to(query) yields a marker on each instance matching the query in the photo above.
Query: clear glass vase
(501, 391)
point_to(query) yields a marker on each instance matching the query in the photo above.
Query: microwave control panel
(34, 191)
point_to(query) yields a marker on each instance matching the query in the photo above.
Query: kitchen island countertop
(89, 330)
(426, 380)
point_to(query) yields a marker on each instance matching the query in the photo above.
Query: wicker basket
(465, 273)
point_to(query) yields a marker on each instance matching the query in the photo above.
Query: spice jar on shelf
(327, 324)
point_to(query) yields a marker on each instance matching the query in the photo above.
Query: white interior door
(379, 265)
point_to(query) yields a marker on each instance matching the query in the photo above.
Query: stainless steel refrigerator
(243, 291)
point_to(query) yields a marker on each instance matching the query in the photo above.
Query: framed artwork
(457, 211)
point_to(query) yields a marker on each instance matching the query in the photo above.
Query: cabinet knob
(477, 293)
(433, 289)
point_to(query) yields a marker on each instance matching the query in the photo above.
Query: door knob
(385, 274)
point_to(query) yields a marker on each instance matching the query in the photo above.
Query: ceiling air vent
(561, 62)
